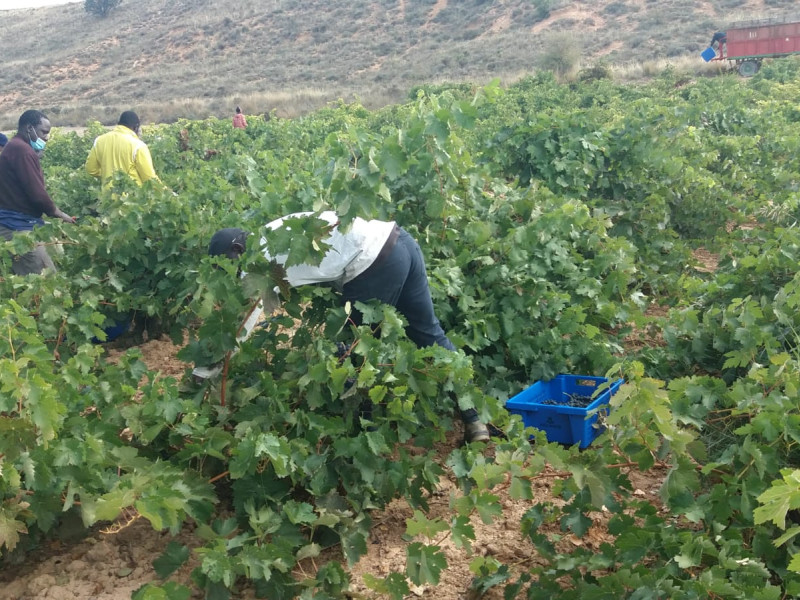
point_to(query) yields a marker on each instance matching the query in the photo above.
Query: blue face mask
(38, 144)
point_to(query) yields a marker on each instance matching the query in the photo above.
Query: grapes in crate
(574, 400)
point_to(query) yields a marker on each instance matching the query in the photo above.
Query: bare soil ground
(111, 566)
(112, 563)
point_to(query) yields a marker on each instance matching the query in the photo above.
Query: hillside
(196, 58)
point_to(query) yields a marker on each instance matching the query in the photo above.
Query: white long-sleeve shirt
(350, 253)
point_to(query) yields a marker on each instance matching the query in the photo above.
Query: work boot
(476, 432)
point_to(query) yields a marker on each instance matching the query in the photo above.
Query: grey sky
(9, 4)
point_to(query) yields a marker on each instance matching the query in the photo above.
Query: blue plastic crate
(708, 54)
(563, 424)
(112, 332)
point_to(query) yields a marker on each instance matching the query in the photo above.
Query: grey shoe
(476, 432)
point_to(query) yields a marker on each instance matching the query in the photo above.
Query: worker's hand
(271, 301)
(65, 217)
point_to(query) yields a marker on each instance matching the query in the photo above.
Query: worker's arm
(144, 164)
(92, 163)
(29, 173)
(271, 301)
(201, 373)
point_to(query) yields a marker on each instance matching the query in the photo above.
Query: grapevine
(551, 216)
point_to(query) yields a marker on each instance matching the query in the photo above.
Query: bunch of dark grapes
(574, 400)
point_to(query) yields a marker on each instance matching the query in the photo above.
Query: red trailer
(748, 43)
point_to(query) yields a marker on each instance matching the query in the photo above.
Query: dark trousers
(34, 261)
(401, 281)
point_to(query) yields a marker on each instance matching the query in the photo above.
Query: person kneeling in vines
(372, 260)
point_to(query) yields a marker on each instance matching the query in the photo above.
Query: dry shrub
(561, 55)
(684, 66)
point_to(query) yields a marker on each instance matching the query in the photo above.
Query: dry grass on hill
(199, 58)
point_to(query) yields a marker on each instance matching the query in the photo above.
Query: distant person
(23, 197)
(239, 122)
(3, 141)
(719, 42)
(121, 150)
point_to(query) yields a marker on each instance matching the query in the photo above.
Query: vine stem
(59, 243)
(224, 380)
(441, 190)
(59, 338)
(622, 465)
(218, 477)
(14, 360)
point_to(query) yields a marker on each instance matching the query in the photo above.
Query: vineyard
(560, 226)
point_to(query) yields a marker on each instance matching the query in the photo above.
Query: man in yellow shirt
(121, 150)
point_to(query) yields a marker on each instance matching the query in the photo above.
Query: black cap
(223, 240)
(3, 140)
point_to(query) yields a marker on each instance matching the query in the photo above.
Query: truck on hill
(747, 43)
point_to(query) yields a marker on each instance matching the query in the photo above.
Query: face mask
(38, 144)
